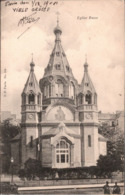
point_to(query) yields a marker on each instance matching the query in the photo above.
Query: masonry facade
(60, 117)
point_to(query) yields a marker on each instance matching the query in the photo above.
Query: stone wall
(46, 153)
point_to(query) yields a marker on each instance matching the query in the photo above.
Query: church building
(59, 124)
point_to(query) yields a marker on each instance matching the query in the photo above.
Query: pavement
(8, 178)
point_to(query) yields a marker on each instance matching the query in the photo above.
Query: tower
(58, 82)
(88, 115)
(60, 127)
(31, 107)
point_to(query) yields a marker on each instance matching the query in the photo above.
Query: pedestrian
(116, 189)
(107, 189)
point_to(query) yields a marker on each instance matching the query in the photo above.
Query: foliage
(8, 130)
(33, 169)
(115, 136)
(108, 164)
(115, 150)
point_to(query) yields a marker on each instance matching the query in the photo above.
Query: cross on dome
(32, 64)
(57, 13)
(57, 30)
(86, 64)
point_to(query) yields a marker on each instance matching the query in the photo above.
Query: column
(53, 156)
(72, 155)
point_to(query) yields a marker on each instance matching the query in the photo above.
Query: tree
(115, 143)
(113, 161)
(108, 164)
(8, 131)
(32, 168)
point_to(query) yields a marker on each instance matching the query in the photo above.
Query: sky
(102, 39)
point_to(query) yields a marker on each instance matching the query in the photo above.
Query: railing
(87, 107)
(30, 107)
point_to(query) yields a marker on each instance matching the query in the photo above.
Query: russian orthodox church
(60, 117)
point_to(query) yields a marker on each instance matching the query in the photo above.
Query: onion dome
(32, 64)
(57, 30)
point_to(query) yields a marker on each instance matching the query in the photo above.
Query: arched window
(72, 91)
(113, 124)
(44, 91)
(31, 99)
(31, 141)
(47, 90)
(80, 99)
(88, 98)
(89, 140)
(38, 99)
(59, 91)
(62, 152)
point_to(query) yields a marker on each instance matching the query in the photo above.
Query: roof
(58, 63)
(86, 80)
(32, 83)
(61, 126)
(101, 138)
(107, 116)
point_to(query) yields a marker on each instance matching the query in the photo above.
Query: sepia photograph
(62, 97)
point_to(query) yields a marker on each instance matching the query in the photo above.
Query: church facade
(60, 117)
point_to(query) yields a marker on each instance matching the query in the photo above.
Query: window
(58, 67)
(71, 90)
(57, 53)
(62, 152)
(113, 124)
(86, 84)
(63, 54)
(31, 99)
(80, 99)
(89, 140)
(38, 99)
(47, 90)
(67, 68)
(88, 98)
(31, 141)
(31, 84)
(59, 91)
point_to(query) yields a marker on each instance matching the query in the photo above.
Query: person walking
(107, 189)
(116, 189)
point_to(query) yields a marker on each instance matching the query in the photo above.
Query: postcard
(62, 94)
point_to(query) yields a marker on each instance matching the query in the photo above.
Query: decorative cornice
(29, 124)
(89, 124)
(52, 124)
